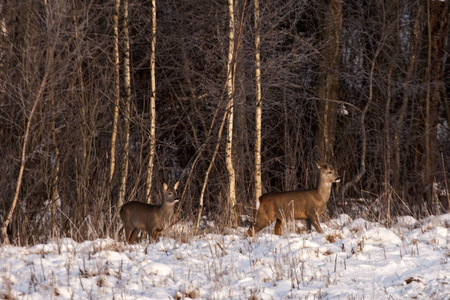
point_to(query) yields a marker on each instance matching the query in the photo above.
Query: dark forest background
(364, 85)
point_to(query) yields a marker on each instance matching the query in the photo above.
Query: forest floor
(352, 259)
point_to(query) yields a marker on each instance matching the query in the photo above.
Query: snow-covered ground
(352, 259)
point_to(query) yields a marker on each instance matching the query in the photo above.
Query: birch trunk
(127, 85)
(258, 114)
(230, 117)
(112, 162)
(152, 106)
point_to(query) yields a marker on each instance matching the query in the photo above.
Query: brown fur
(137, 215)
(302, 204)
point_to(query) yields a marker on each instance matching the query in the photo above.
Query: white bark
(258, 114)
(112, 157)
(230, 117)
(127, 99)
(152, 106)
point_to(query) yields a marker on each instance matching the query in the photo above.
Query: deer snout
(338, 179)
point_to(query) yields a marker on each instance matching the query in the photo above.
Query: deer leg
(278, 227)
(155, 234)
(314, 219)
(308, 226)
(127, 233)
(133, 235)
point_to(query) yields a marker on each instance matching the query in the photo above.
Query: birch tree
(258, 113)
(230, 117)
(152, 106)
(126, 110)
(112, 156)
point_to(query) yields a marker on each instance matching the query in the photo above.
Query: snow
(352, 259)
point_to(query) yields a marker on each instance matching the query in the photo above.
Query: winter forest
(101, 102)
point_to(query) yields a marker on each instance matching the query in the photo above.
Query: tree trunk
(437, 19)
(152, 136)
(258, 113)
(230, 117)
(388, 152)
(329, 80)
(83, 172)
(126, 111)
(112, 157)
(290, 155)
(55, 168)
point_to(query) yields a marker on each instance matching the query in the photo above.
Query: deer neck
(166, 206)
(324, 190)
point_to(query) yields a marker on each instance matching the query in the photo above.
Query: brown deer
(303, 204)
(137, 215)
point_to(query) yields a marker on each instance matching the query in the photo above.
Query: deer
(307, 204)
(136, 215)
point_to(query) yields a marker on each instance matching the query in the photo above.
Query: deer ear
(175, 187)
(165, 186)
(321, 164)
